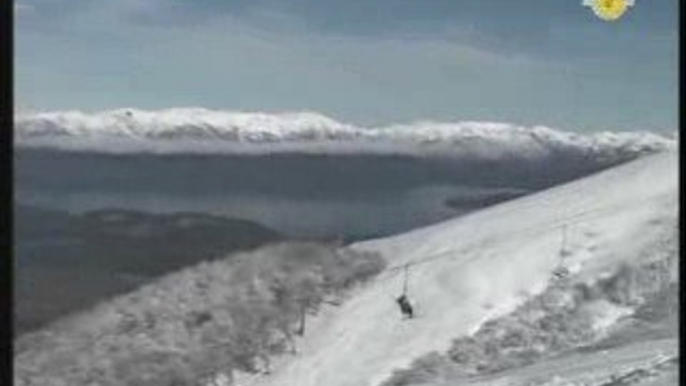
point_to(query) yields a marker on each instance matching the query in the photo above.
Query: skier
(405, 306)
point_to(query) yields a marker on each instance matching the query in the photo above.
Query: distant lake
(348, 196)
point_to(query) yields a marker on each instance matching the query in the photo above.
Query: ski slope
(480, 267)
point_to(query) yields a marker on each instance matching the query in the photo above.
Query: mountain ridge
(199, 130)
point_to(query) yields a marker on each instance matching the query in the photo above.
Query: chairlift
(402, 300)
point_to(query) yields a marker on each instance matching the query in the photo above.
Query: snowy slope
(199, 130)
(642, 364)
(483, 266)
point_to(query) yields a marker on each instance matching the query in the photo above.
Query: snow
(605, 314)
(197, 130)
(639, 362)
(482, 266)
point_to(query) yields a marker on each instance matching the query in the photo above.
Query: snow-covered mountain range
(197, 130)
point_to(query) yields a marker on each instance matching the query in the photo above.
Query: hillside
(229, 314)
(497, 266)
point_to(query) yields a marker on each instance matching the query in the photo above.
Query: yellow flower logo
(609, 9)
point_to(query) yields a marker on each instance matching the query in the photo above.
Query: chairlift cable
(405, 280)
(563, 246)
(573, 219)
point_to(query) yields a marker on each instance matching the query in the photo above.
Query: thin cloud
(23, 8)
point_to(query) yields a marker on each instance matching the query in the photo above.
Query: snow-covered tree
(188, 327)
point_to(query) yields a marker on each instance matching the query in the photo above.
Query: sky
(366, 62)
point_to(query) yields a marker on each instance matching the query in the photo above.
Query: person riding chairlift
(405, 306)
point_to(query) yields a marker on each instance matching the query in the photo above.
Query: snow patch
(605, 314)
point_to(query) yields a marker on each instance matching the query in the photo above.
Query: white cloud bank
(197, 130)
